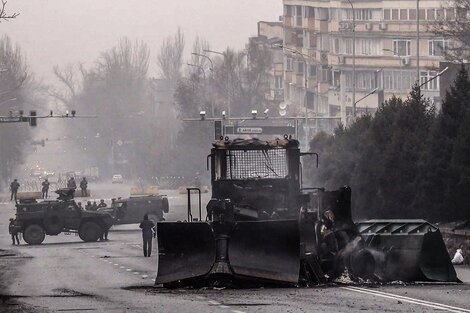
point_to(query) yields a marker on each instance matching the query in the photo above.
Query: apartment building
(318, 41)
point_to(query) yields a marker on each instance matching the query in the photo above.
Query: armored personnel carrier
(52, 217)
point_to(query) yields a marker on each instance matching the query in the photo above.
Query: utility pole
(354, 60)
(417, 41)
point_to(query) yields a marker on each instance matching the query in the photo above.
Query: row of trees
(127, 102)
(18, 90)
(407, 161)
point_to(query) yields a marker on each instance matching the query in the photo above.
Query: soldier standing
(14, 189)
(45, 188)
(13, 230)
(83, 186)
(71, 183)
(102, 204)
(148, 231)
(88, 206)
(94, 206)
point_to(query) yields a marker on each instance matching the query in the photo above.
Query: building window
(360, 14)
(450, 14)
(288, 10)
(386, 14)
(312, 71)
(402, 47)
(422, 14)
(366, 46)
(311, 12)
(427, 75)
(431, 15)
(298, 15)
(438, 47)
(300, 67)
(289, 66)
(398, 80)
(312, 40)
(278, 82)
(395, 14)
(440, 14)
(348, 46)
(403, 14)
(412, 14)
(336, 46)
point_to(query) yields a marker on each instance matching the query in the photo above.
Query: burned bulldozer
(262, 225)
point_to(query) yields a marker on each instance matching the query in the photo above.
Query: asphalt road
(66, 275)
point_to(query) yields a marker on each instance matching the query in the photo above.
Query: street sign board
(10, 119)
(260, 130)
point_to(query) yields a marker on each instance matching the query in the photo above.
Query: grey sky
(59, 32)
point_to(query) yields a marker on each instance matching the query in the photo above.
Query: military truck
(132, 210)
(52, 217)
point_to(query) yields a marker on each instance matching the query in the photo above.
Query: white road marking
(224, 306)
(213, 302)
(128, 270)
(136, 273)
(121, 267)
(145, 276)
(237, 311)
(430, 304)
(115, 264)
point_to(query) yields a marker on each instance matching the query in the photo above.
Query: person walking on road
(148, 231)
(14, 189)
(83, 186)
(45, 188)
(71, 183)
(13, 230)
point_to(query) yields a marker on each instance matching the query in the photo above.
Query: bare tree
(456, 26)
(70, 80)
(4, 16)
(170, 57)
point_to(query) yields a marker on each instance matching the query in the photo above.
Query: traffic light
(32, 118)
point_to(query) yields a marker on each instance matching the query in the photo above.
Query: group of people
(15, 185)
(71, 183)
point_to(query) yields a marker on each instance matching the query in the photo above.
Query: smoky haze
(57, 32)
(137, 129)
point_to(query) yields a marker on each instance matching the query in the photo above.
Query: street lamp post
(199, 67)
(229, 95)
(206, 57)
(354, 59)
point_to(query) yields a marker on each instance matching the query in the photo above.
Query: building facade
(319, 50)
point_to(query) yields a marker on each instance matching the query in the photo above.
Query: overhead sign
(259, 130)
(10, 119)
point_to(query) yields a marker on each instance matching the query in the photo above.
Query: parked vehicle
(117, 179)
(132, 210)
(52, 217)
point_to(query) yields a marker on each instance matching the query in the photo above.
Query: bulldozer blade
(186, 251)
(414, 250)
(265, 250)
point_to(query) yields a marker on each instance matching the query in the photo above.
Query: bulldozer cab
(261, 178)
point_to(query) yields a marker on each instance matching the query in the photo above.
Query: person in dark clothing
(13, 230)
(71, 183)
(83, 186)
(104, 235)
(88, 206)
(45, 188)
(14, 189)
(148, 231)
(102, 204)
(94, 206)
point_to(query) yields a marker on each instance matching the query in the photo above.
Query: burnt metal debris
(262, 225)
